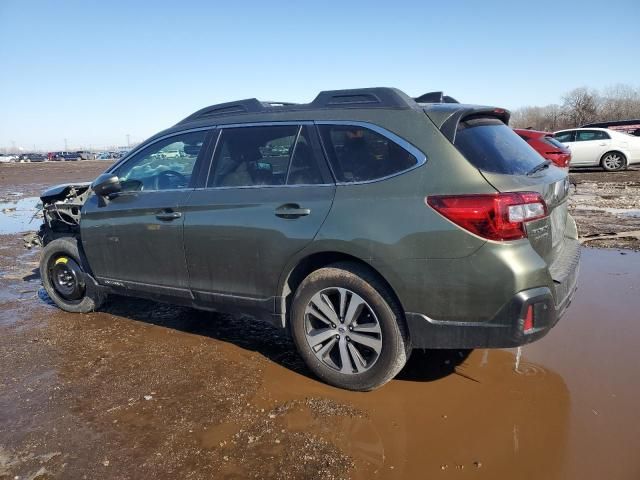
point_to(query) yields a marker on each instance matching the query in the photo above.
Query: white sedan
(592, 147)
(6, 158)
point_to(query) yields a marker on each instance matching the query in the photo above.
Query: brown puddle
(143, 390)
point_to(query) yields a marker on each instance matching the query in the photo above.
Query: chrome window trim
(243, 187)
(420, 156)
(142, 146)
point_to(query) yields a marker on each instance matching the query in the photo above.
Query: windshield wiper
(539, 167)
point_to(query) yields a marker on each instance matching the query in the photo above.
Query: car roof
(581, 128)
(372, 99)
(380, 105)
(361, 98)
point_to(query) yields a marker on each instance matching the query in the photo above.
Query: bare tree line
(579, 106)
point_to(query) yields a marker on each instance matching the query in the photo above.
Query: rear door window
(359, 154)
(492, 146)
(587, 135)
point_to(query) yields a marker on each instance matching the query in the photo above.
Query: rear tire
(64, 279)
(356, 339)
(613, 161)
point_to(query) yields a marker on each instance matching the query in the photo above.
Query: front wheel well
(314, 262)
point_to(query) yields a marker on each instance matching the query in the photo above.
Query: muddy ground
(143, 390)
(606, 206)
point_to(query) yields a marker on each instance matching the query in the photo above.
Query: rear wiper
(539, 167)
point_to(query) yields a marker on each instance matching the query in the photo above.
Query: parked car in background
(108, 156)
(33, 157)
(546, 145)
(74, 156)
(592, 147)
(85, 155)
(365, 222)
(7, 158)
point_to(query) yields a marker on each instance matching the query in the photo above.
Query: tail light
(499, 216)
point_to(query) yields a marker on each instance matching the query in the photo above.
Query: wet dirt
(606, 206)
(145, 390)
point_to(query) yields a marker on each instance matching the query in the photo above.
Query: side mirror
(106, 185)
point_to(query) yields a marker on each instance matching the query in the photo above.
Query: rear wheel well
(315, 262)
(624, 157)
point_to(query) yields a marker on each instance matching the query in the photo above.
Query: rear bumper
(506, 328)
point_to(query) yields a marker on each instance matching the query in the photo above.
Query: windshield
(492, 146)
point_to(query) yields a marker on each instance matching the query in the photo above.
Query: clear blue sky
(95, 71)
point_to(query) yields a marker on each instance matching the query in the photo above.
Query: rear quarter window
(359, 154)
(492, 146)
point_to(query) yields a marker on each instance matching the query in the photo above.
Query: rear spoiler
(447, 116)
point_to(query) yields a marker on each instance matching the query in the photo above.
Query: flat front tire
(348, 328)
(64, 279)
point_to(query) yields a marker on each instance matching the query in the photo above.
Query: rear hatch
(510, 164)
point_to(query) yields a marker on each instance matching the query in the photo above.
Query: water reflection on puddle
(18, 216)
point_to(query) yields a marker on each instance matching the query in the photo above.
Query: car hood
(60, 191)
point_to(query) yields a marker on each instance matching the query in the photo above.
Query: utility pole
(65, 145)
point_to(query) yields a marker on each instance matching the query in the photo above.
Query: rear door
(268, 192)
(135, 241)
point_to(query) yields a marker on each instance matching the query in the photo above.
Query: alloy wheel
(612, 161)
(342, 330)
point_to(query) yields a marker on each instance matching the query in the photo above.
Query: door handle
(168, 216)
(291, 210)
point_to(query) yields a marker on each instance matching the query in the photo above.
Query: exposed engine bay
(61, 207)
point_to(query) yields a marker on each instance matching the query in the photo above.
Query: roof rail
(435, 97)
(250, 105)
(378, 97)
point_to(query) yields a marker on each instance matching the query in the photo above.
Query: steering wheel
(170, 179)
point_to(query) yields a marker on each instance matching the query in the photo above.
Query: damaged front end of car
(61, 209)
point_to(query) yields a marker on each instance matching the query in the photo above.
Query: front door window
(164, 165)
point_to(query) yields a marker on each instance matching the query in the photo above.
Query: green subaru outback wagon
(366, 223)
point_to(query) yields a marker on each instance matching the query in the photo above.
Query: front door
(267, 194)
(135, 241)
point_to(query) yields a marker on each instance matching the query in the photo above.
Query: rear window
(492, 146)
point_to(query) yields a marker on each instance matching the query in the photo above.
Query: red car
(547, 146)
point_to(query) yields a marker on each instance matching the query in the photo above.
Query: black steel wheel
(64, 279)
